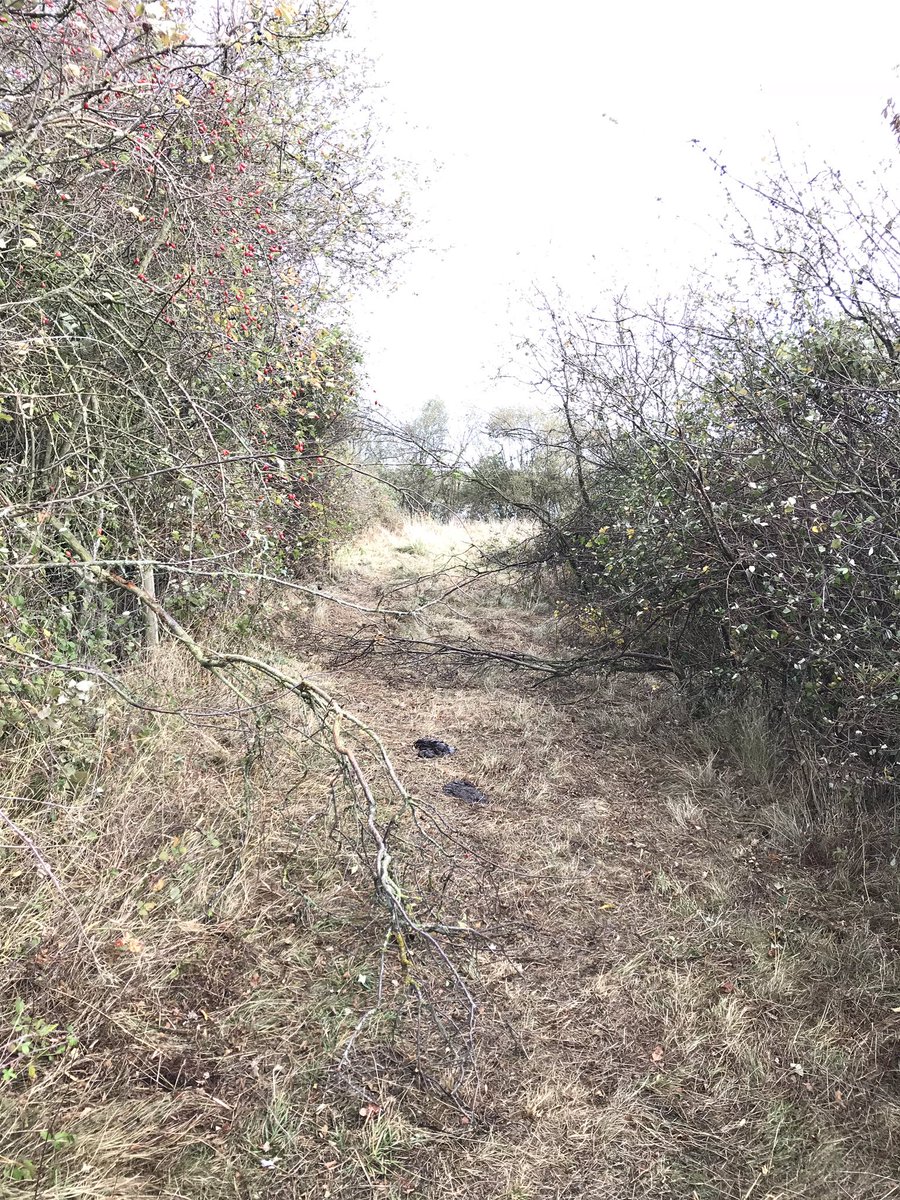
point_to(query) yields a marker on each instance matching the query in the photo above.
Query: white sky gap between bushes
(555, 145)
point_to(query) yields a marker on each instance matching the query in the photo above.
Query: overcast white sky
(554, 146)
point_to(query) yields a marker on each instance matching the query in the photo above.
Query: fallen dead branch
(369, 643)
(380, 802)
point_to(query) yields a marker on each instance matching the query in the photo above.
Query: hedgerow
(733, 515)
(178, 208)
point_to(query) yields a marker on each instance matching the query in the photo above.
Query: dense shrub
(736, 514)
(177, 208)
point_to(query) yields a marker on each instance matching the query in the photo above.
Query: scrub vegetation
(250, 946)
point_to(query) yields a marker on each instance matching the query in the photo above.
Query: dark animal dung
(433, 748)
(462, 789)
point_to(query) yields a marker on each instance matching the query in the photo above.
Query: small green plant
(24, 1170)
(59, 1139)
(30, 1043)
(20, 1172)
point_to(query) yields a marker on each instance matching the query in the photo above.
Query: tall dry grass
(185, 951)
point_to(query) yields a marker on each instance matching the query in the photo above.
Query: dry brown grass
(421, 546)
(190, 975)
(701, 1009)
(687, 981)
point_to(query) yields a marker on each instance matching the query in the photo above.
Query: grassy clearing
(423, 560)
(687, 980)
(421, 546)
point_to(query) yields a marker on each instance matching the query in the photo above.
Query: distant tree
(428, 434)
(418, 457)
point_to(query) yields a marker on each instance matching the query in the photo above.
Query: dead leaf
(657, 1054)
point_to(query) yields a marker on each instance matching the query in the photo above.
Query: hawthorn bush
(735, 514)
(178, 208)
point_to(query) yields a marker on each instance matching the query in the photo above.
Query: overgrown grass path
(699, 982)
(686, 980)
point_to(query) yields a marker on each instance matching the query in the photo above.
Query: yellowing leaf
(172, 37)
